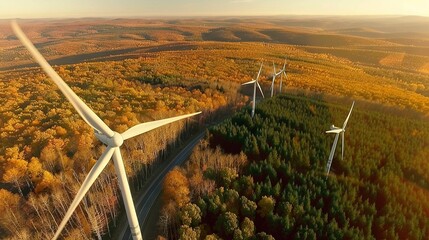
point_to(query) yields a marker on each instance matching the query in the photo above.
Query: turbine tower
(337, 132)
(112, 139)
(275, 74)
(281, 73)
(256, 83)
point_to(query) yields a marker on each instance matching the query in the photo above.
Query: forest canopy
(379, 191)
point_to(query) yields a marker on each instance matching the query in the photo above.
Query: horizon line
(216, 16)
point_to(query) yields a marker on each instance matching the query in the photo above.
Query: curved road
(147, 199)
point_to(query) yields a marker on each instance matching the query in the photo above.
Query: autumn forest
(247, 178)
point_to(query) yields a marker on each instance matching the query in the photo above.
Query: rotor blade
(250, 82)
(147, 126)
(87, 183)
(348, 116)
(259, 73)
(126, 195)
(84, 111)
(337, 130)
(331, 155)
(274, 68)
(260, 89)
(342, 146)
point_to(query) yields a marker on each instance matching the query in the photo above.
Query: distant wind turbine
(112, 139)
(281, 73)
(256, 83)
(337, 131)
(275, 74)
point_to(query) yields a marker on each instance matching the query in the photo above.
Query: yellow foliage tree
(35, 170)
(47, 183)
(15, 171)
(176, 188)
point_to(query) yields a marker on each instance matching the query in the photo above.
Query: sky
(142, 8)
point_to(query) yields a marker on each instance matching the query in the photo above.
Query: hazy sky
(120, 8)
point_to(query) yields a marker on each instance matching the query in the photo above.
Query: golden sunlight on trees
(47, 149)
(11, 217)
(15, 172)
(176, 188)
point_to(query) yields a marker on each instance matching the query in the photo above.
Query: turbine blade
(342, 146)
(331, 155)
(259, 73)
(126, 195)
(274, 68)
(84, 111)
(284, 65)
(260, 89)
(348, 116)
(87, 183)
(338, 130)
(147, 126)
(250, 82)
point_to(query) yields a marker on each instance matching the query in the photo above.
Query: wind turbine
(337, 131)
(281, 73)
(256, 83)
(112, 139)
(274, 78)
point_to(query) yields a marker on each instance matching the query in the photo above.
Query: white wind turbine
(112, 139)
(275, 74)
(256, 83)
(337, 131)
(281, 73)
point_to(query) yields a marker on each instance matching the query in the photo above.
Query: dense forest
(263, 177)
(47, 149)
(137, 70)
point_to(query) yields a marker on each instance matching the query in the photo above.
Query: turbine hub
(116, 140)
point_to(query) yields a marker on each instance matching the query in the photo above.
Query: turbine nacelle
(115, 141)
(334, 129)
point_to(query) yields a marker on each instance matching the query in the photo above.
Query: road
(148, 198)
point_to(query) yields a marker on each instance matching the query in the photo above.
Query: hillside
(136, 70)
(267, 175)
(59, 37)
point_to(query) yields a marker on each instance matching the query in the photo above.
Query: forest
(264, 177)
(136, 70)
(47, 149)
